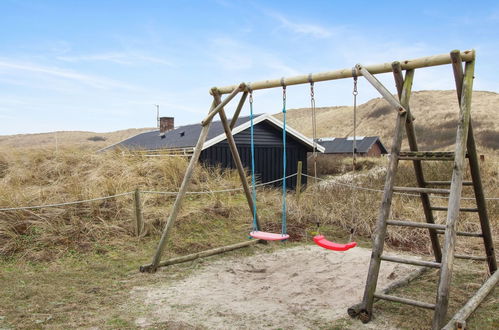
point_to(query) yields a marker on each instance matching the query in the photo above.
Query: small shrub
(381, 111)
(489, 139)
(97, 138)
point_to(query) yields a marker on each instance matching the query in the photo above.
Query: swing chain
(284, 98)
(314, 127)
(354, 150)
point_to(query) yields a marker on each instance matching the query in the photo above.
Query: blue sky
(102, 65)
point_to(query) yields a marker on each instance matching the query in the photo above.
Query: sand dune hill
(68, 139)
(436, 114)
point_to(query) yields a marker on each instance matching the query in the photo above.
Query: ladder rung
(463, 256)
(421, 190)
(415, 224)
(462, 233)
(404, 301)
(447, 183)
(426, 155)
(411, 261)
(463, 209)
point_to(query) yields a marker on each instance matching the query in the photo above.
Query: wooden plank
(475, 171)
(464, 256)
(222, 104)
(202, 254)
(464, 313)
(422, 62)
(454, 199)
(387, 95)
(410, 190)
(462, 233)
(179, 199)
(462, 209)
(414, 262)
(415, 224)
(405, 301)
(447, 183)
(237, 159)
(238, 110)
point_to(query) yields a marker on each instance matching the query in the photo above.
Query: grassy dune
(436, 114)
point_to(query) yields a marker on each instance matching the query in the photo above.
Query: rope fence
(173, 193)
(380, 190)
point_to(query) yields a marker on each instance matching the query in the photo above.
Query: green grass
(93, 290)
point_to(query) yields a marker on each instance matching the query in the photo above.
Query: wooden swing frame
(465, 140)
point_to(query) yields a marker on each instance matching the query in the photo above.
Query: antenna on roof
(157, 114)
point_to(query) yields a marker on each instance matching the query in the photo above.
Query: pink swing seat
(323, 242)
(268, 236)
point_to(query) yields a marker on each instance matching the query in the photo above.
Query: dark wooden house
(369, 146)
(268, 146)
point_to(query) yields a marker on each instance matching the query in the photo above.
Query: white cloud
(126, 58)
(89, 80)
(307, 29)
(234, 55)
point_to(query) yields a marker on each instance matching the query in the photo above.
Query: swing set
(465, 148)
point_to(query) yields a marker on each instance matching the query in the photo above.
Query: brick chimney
(165, 124)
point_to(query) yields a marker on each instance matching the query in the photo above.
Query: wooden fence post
(298, 181)
(138, 213)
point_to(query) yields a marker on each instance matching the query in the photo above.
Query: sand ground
(296, 288)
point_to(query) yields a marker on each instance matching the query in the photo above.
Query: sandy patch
(294, 288)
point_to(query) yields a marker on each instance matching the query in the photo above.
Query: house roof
(345, 145)
(187, 136)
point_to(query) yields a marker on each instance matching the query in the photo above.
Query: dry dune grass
(45, 176)
(436, 114)
(39, 177)
(67, 139)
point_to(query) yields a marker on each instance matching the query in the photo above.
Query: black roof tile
(344, 145)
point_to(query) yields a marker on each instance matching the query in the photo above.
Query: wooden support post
(454, 199)
(399, 78)
(298, 180)
(387, 95)
(238, 110)
(418, 169)
(462, 315)
(237, 159)
(380, 233)
(180, 197)
(475, 170)
(138, 213)
(207, 253)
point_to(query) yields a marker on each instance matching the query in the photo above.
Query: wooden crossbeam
(421, 62)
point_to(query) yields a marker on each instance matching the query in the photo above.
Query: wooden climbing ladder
(465, 148)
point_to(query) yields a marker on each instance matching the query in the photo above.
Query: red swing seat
(323, 242)
(268, 236)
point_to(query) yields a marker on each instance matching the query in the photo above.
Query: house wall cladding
(268, 154)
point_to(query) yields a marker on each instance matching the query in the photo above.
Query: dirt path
(297, 288)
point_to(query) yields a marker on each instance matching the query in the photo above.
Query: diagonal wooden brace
(220, 106)
(380, 88)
